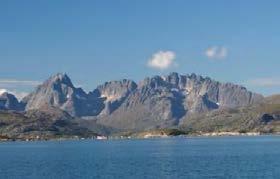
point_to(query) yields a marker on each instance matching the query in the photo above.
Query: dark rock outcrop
(266, 118)
(9, 102)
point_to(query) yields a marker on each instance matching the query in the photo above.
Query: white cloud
(18, 88)
(216, 52)
(3, 91)
(265, 82)
(162, 60)
(19, 82)
(19, 95)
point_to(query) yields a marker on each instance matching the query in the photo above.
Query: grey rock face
(58, 91)
(224, 95)
(156, 102)
(161, 101)
(203, 104)
(113, 94)
(10, 102)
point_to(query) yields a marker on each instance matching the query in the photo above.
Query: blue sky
(99, 40)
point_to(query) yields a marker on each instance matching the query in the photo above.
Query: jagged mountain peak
(161, 101)
(117, 86)
(156, 101)
(62, 78)
(58, 91)
(113, 93)
(153, 82)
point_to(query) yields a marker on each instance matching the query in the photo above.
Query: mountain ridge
(190, 103)
(157, 101)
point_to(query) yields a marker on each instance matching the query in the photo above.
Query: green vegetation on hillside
(246, 119)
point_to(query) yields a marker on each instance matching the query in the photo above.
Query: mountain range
(155, 102)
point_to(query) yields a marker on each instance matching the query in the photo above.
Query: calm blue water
(221, 157)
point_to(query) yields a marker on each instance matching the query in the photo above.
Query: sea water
(183, 157)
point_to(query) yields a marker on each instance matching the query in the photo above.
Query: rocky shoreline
(142, 135)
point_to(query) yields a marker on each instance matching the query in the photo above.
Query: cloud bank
(162, 60)
(17, 87)
(216, 52)
(18, 82)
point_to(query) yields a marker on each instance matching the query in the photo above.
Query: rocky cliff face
(113, 94)
(213, 94)
(10, 102)
(58, 91)
(159, 101)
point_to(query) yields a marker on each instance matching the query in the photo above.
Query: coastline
(146, 136)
